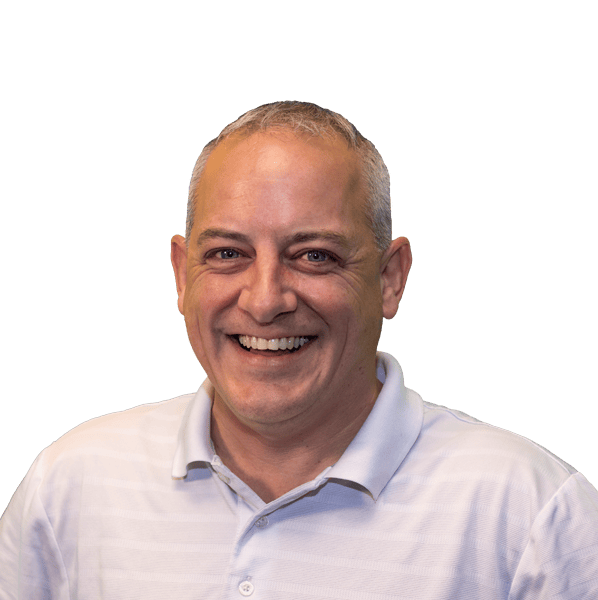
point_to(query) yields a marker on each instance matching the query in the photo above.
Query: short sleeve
(31, 566)
(561, 557)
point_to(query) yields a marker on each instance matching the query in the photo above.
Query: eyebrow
(214, 232)
(331, 236)
(297, 238)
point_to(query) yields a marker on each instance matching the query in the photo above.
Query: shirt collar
(370, 460)
(387, 435)
(194, 440)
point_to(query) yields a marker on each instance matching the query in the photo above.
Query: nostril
(267, 304)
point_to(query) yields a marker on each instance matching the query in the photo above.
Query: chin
(266, 406)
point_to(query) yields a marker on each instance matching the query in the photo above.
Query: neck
(275, 459)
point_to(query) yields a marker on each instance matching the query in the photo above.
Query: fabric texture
(425, 503)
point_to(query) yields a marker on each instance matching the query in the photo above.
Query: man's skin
(280, 247)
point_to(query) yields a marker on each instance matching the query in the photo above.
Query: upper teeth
(285, 343)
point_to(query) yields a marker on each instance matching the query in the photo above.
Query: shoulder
(456, 457)
(487, 501)
(458, 434)
(478, 484)
(157, 421)
(143, 437)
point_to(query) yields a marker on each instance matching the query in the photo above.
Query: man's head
(281, 279)
(311, 120)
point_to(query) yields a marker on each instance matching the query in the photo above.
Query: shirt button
(246, 588)
(262, 522)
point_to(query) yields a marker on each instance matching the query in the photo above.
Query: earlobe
(178, 257)
(395, 266)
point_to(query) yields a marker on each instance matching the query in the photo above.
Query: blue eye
(317, 256)
(227, 254)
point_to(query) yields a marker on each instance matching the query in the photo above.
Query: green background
(484, 112)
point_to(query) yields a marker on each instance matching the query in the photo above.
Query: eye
(227, 254)
(317, 256)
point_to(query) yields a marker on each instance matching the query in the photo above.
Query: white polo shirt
(425, 503)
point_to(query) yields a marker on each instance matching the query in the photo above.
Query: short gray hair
(310, 119)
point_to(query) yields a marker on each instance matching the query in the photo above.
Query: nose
(267, 293)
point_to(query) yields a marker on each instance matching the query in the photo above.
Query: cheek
(205, 301)
(361, 309)
(209, 294)
(342, 303)
(361, 290)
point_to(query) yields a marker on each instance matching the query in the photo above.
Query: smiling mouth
(286, 344)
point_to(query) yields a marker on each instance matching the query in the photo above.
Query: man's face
(280, 250)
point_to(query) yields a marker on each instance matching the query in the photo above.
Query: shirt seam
(529, 536)
(51, 528)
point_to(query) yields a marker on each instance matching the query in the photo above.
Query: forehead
(290, 177)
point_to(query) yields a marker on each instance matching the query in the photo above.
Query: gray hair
(310, 119)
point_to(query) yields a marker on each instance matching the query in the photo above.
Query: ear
(178, 257)
(394, 268)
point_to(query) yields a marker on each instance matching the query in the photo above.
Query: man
(302, 468)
